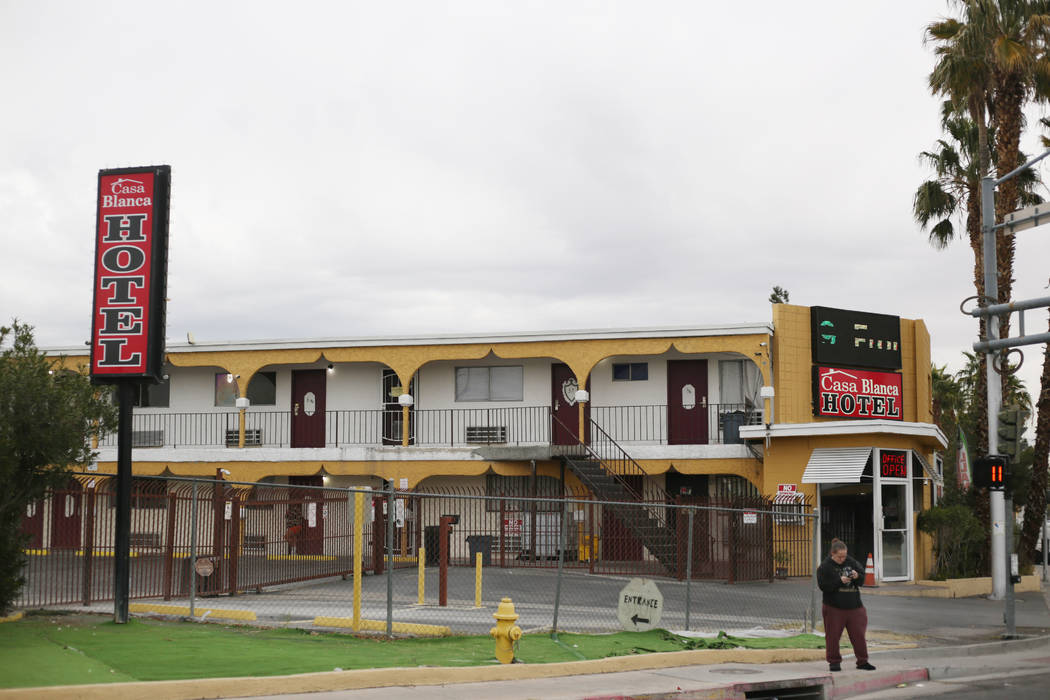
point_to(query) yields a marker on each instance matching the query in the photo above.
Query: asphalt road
(1010, 685)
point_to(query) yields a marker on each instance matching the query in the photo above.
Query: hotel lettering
(127, 340)
(854, 393)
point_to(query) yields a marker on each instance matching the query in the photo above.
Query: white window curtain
(489, 383)
(739, 382)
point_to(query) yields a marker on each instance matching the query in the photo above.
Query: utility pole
(990, 310)
(996, 499)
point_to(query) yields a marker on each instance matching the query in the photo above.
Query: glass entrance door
(895, 552)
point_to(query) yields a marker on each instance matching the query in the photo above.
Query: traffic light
(1011, 427)
(991, 472)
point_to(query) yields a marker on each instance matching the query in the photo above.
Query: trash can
(731, 423)
(432, 544)
(483, 544)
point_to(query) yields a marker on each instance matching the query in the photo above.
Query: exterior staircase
(601, 466)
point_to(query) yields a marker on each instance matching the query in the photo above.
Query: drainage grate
(806, 692)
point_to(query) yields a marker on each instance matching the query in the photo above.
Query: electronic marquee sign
(855, 338)
(131, 274)
(856, 393)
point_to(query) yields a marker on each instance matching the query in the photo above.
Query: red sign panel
(893, 463)
(131, 236)
(856, 393)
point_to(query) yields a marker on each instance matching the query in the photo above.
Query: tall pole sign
(128, 317)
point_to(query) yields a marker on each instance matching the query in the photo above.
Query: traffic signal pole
(996, 497)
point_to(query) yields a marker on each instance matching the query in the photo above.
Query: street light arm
(1019, 168)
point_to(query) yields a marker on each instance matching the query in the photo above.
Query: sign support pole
(122, 544)
(996, 499)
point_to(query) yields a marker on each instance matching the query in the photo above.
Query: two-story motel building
(822, 404)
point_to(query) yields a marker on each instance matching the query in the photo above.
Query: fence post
(502, 533)
(813, 567)
(733, 515)
(169, 549)
(592, 541)
(390, 554)
(689, 569)
(193, 549)
(359, 543)
(561, 564)
(89, 542)
(233, 541)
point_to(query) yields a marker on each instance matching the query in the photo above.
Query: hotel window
(151, 395)
(262, 389)
(738, 382)
(630, 371)
(490, 383)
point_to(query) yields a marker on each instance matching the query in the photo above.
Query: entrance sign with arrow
(640, 605)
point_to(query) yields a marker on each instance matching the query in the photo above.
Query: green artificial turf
(51, 649)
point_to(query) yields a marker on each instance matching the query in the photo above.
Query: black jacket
(836, 593)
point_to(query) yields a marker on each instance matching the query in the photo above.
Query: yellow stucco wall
(793, 368)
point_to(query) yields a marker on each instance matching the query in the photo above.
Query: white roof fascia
(455, 339)
(846, 427)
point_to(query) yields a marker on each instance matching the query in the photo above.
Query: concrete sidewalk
(736, 679)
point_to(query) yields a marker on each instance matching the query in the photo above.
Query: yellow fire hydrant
(505, 632)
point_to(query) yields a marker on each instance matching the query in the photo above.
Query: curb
(393, 677)
(832, 686)
(184, 611)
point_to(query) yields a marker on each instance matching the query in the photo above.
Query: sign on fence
(641, 605)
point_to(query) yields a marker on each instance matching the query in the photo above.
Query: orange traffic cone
(869, 572)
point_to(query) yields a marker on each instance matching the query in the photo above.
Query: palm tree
(989, 63)
(996, 61)
(1035, 506)
(954, 192)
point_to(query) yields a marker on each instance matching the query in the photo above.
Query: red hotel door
(563, 405)
(687, 402)
(310, 506)
(33, 524)
(308, 408)
(65, 517)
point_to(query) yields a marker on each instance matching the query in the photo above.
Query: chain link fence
(427, 561)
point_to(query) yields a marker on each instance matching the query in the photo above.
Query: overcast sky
(374, 168)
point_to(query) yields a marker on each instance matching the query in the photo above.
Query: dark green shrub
(958, 541)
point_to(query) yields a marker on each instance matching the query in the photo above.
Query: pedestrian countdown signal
(991, 472)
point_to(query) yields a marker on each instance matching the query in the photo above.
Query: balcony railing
(448, 427)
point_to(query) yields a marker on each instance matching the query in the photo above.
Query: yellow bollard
(506, 633)
(422, 579)
(359, 547)
(477, 579)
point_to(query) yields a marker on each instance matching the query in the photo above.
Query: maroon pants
(855, 622)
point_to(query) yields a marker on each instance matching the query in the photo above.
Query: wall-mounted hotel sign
(131, 265)
(856, 393)
(855, 338)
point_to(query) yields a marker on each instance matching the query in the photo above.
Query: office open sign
(130, 284)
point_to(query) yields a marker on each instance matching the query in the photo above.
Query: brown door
(308, 507)
(66, 505)
(33, 525)
(687, 402)
(565, 428)
(308, 408)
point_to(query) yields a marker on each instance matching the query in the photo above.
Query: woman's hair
(837, 545)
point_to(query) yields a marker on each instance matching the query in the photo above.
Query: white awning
(930, 473)
(838, 465)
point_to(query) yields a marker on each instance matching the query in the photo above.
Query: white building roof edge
(458, 339)
(846, 427)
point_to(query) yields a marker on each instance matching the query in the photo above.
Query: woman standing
(839, 578)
